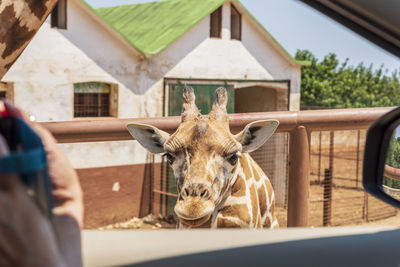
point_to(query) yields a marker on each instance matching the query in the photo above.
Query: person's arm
(67, 194)
(27, 237)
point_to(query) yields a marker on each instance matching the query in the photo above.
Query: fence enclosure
(315, 169)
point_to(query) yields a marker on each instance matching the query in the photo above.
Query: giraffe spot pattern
(226, 223)
(246, 168)
(267, 223)
(37, 10)
(254, 203)
(239, 188)
(237, 210)
(253, 192)
(259, 223)
(263, 200)
(21, 34)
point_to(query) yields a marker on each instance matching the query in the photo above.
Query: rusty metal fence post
(319, 157)
(366, 206)
(358, 157)
(331, 151)
(299, 170)
(327, 209)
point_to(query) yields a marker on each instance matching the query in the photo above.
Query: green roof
(152, 27)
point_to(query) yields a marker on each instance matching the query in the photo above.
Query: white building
(131, 61)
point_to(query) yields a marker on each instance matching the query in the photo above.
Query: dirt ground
(159, 223)
(348, 208)
(149, 222)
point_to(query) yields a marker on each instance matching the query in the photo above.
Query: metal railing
(299, 124)
(392, 173)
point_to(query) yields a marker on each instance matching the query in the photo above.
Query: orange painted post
(299, 184)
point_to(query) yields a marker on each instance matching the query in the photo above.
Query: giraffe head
(203, 154)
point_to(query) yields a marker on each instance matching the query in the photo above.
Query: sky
(297, 26)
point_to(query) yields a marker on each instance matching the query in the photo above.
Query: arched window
(95, 99)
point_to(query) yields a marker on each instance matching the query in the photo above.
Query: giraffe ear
(149, 137)
(255, 134)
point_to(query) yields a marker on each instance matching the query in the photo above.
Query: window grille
(92, 99)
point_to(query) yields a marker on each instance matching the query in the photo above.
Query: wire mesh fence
(337, 196)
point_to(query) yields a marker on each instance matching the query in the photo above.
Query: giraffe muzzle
(195, 190)
(194, 205)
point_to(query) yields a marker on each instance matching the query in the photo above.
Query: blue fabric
(30, 161)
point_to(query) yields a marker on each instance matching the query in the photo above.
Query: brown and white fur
(19, 20)
(219, 184)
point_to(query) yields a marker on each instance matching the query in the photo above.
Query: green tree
(393, 160)
(329, 83)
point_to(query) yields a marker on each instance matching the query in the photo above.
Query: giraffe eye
(233, 159)
(170, 158)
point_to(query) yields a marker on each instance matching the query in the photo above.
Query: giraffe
(19, 21)
(219, 184)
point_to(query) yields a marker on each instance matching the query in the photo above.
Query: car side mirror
(381, 167)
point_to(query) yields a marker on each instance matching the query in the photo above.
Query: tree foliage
(328, 83)
(393, 154)
(393, 160)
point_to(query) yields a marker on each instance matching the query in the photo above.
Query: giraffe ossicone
(219, 184)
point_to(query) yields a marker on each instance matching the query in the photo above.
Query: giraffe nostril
(195, 190)
(187, 193)
(184, 193)
(205, 194)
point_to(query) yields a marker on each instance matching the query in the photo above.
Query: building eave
(92, 13)
(283, 51)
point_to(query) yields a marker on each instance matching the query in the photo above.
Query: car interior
(376, 21)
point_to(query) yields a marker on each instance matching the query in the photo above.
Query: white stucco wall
(195, 55)
(256, 56)
(43, 76)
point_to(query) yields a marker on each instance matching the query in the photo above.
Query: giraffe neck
(227, 190)
(23, 19)
(249, 201)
